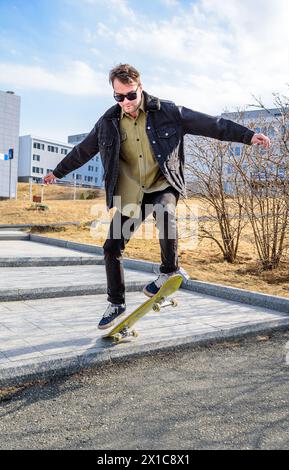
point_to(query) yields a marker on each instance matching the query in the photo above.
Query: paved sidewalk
(24, 249)
(48, 337)
(54, 281)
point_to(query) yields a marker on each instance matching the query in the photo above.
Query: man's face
(124, 88)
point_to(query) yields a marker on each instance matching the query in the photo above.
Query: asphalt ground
(230, 395)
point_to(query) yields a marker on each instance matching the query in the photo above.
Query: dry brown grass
(204, 262)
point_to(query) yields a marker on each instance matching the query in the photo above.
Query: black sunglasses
(130, 96)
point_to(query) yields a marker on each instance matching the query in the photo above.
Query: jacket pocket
(169, 142)
(105, 140)
(105, 143)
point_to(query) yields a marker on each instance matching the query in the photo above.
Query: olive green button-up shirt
(139, 171)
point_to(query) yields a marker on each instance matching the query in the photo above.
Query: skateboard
(160, 300)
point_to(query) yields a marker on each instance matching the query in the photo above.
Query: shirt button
(148, 128)
(154, 141)
(137, 140)
(159, 156)
(166, 134)
(140, 156)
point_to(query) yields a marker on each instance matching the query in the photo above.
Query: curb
(10, 295)
(273, 302)
(13, 236)
(216, 290)
(50, 261)
(69, 364)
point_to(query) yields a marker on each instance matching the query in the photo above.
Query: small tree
(209, 165)
(265, 182)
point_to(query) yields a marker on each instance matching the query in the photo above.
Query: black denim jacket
(166, 126)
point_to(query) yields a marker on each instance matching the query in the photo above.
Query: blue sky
(209, 55)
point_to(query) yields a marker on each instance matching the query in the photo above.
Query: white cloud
(209, 55)
(218, 52)
(170, 3)
(77, 78)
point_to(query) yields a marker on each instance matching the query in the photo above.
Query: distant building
(92, 172)
(9, 139)
(250, 119)
(39, 156)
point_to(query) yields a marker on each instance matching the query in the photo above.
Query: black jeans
(163, 205)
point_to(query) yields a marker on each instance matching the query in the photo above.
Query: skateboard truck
(124, 333)
(164, 303)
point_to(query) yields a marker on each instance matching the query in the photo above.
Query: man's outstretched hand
(261, 139)
(49, 179)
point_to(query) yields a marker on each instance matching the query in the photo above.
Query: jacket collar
(151, 103)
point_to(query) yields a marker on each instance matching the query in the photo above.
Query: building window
(36, 158)
(51, 148)
(48, 171)
(229, 169)
(35, 169)
(37, 145)
(64, 151)
(78, 176)
(90, 168)
(95, 179)
(96, 169)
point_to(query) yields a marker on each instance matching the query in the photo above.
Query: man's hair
(125, 73)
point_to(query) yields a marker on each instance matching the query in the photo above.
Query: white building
(39, 156)
(9, 139)
(259, 121)
(92, 172)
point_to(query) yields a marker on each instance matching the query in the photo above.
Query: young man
(140, 141)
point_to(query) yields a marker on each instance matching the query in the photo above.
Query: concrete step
(41, 339)
(50, 261)
(20, 283)
(16, 235)
(23, 248)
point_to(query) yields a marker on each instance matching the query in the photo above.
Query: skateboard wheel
(134, 333)
(117, 338)
(174, 302)
(156, 308)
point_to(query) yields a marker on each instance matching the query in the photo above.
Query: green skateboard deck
(158, 301)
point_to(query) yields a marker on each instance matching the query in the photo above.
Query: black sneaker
(153, 287)
(110, 315)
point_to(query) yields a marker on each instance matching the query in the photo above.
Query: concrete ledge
(85, 247)
(50, 261)
(140, 265)
(25, 226)
(103, 353)
(6, 235)
(9, 295)
(281, 304)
